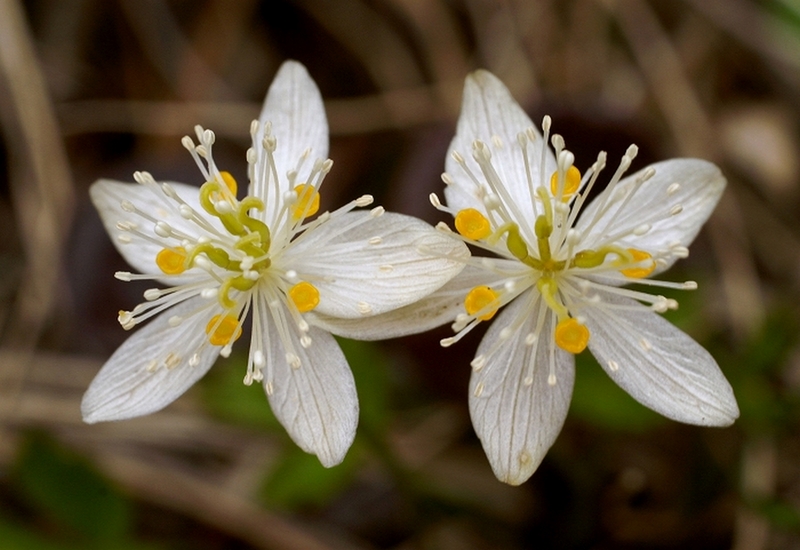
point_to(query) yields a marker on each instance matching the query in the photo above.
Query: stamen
(522, 140)
(507, 207)
(152, 294)
(462, 330)
(363, 200)
(163, 230)
(126, 319)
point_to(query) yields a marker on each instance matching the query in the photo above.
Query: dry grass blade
(40, 182)
(392, 110)
(692, 131)
(143, 455)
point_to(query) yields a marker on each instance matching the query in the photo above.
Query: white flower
(558, 265)
(266, 255)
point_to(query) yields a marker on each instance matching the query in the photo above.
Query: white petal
(430, 312)
(518, 422)
(152, 368)
(488, 112)
(294, 107)
(700, 186)
(140, 253)
(658, 364)
(316, 402)
(364, 265)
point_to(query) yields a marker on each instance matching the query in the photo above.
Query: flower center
(552, 258)
(235, 254)
(243, 254)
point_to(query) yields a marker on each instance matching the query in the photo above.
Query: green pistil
(589, 258)
(240, 283)
(216, 255)
(548, 287)
(253, 224)
(253, 239)
(251, 245)
(543, 229)
(516, 244)
(229, 220)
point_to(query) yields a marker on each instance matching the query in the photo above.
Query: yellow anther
(172, 261)
(307, 201)
(221, 329)
(480, 298)
(571, 185)
(471, 224)
(639, 272)
(571, 336)
(230, 182)
(305, 296)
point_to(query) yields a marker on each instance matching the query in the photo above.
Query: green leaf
(67, 489)
(369, 365)
(781, 514)
(300, 480)
(18, 537)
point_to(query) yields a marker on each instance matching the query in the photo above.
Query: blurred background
(92, 89)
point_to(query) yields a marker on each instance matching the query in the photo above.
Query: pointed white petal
(699, 187)
(517, 422)
(316, 402)
(430, 312)
(658, 364)
(152, 368)
(294, 107)
(364, 265)
(140, 253)
(489, 112)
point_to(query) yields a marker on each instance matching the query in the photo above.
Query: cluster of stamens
(230, 252)
(550, 255)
